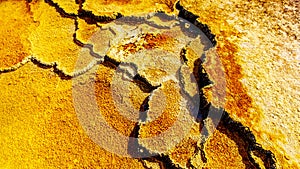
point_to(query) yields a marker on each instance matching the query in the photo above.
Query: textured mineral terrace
(245, 72)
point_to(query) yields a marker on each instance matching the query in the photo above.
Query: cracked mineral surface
(146, 71)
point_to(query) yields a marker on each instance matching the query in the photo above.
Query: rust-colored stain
(148, 41)
(238, 97)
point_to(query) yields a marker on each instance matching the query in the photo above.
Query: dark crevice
(137, 79)
(75, 40)
(266, 155)
(92, 53)
(241, 144)
(200, 74)
(90, 47)
(243, 137)
(183, 55)
(109, 64)
(134, 148)
(59, 72)
(28, 6)
(53, 65)
(190, 166)
(202, 153)
(202, 115)
(244, 134)
(144, 163)
(198, 150)
(145, 105)
(60, 10)
(202, 80)
(38, 63)
(186, 14)
(144, 109)
(144, 84)
(112, 61)
(164, 160)
(7, 70)
(193, 19)
(90, 18)
(81, 44)
(80, 3)
(204, 108)
(152, 160)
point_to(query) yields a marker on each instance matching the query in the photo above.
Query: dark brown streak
(90, 18)
(60, 10)
(193, 19)
(244, 133)
(80, 2)
(59, 72)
